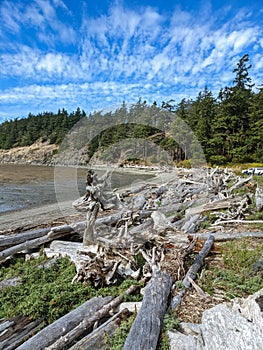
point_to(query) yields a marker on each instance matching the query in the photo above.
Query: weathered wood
(88, 321)
(96, 339)
(222, 222)
(221, 204)
(18, 238)
(18, 338)
(194, 268)
(259, 198)
(63, 325)
(89, 233)
(239, 184)
(235, 325)
(224, 236)
(33, 243)
(146, 328)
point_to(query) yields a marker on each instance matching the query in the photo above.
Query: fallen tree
(64, 325)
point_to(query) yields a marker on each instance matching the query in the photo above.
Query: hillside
(38, 153)
(226, 128)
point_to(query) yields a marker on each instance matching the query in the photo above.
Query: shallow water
(27, 186)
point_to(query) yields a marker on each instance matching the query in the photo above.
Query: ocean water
(28, 186)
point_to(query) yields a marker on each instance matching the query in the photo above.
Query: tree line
(229, 127)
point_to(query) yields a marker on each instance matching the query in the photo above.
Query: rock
(180, 341)
(237, 325)
(131, 306)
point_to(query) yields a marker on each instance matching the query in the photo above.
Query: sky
(94, 55)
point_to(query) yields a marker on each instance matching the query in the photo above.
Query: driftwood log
(63, 325)
(146, 328)
(96, 339)
(225, 236)
(88, 321)
(55, 233)
(18, 333)
(195, 267)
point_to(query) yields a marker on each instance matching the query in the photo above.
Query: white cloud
(122, 54)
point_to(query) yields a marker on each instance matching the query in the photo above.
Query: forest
(229, 127)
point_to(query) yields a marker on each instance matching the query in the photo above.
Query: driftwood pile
(145, 233)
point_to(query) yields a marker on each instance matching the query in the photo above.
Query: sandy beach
(59, 213)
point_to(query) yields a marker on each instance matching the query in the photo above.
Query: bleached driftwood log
(17, 238)
(224, 236)
(56, 232)
(96, 339)
(195, 267)
(88, 321)
(146, 328)
(222, 222)
(63, 325)
(17, 337)
(259, 198)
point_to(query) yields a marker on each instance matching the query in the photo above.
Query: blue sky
(95, 54)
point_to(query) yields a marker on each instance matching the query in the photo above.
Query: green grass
(48, 293)
(236, 278)
(117, 341)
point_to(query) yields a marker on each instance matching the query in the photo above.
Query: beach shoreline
(62, 212)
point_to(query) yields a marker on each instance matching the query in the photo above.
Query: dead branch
(88, 321)
(63, 325)
(193, 271)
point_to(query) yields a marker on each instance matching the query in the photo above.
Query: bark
(88, 321)
(63, 325)
(146, 328)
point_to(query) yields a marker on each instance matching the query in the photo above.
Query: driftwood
(96, 198)
(239, 183)
(96, 339)
(22, 237)
(259, 198)
(56, 232)
(17, 331)
(221, 222)
(63, 325)
(221, 204)
(195, 267)
(88, 321)
(146, 328)
(224, 236)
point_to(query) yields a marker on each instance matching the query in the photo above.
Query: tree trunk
(193, 271)
(63, 325)
(88, 321)
(89, 237)
(33, 243)
(146, 328)
(96, 339)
